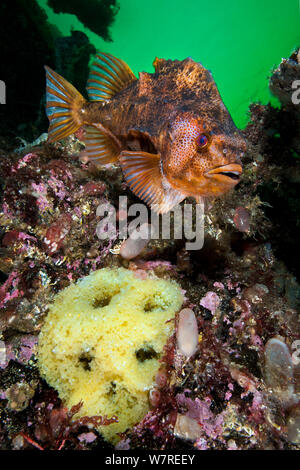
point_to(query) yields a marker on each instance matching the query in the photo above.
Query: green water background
(240, 41)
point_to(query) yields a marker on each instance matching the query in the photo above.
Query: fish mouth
(231, 173)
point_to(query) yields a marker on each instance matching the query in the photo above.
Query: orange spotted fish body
(170, 131)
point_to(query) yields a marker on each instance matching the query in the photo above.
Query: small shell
(242, 219)
(187, 428)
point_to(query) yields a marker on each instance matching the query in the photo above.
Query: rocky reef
(229, 376)
(98, 17)
(101, 342)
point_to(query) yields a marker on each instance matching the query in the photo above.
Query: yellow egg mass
(101, 342)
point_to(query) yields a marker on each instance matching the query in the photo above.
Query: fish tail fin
(62, 107)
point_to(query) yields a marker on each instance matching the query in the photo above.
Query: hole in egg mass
(102, 301)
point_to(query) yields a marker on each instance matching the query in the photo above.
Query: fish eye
(202, 140)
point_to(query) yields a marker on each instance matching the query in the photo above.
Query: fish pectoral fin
(142, 172)
(101, 146)
(63, 102)
(108, 76)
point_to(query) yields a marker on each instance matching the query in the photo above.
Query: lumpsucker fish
(169, 130)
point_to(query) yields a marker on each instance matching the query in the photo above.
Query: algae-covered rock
(101, 342)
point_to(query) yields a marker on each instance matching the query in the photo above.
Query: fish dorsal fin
(142, 172)
(108, 76)
(101, 146)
